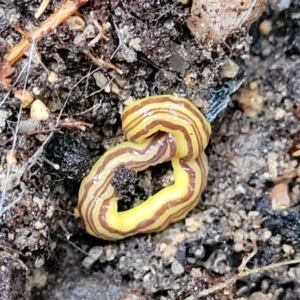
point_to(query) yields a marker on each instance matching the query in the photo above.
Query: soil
(250, 208)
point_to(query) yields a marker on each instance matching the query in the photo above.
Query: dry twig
(15, 53)
(41, 8)
(243, 272)
(100, 35)
(102, 63)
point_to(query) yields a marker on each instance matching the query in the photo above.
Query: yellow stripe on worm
(158, 129)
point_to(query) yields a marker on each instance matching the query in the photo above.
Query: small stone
(238, 237)
(191, 78)
(39, 111)
(280, 196)
(110, 253)
(39, 262)
(265, 27)
(131, 296)
(259, 296)
(250, 100)
(11, 157)
(288, 249)
(29, 125)
(253, 214)
(50, 211)
(101, 80)
(266, 235)
(238, 247)
(129, 100)
(24, 96)
(241, 189)
(39, 201)
(39, 225)
(54, 105)
(89, 31)
(196, 273)
(200, 253)
(191, 229)
(4, 114)
(179, 238)
(94, 255)
(52, 76)
(36, 91)
(169, 252)
(177, 268)
(279, 113)
(229, 69)
(135, 43)
(161, 247)
(189, 222)
(75, 23)
(115, 89)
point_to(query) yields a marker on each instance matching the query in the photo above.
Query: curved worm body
(158, 129)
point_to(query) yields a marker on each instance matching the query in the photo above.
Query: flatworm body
(158, 129)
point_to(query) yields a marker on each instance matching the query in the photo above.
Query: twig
(243, 272)
(94, 107)
(58, 17)
(102, 63)
(100, 35)
(100, 90)
(42, 8)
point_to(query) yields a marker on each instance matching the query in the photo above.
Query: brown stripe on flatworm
(146, 223)
(161, 99)
(162, 150)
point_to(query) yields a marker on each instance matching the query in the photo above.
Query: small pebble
(52, 76)
(76, 23)
(50, 211)
(39, 262)
(94, 255)
(288, 249)
(265, 27)
(39, 225)
(24, 96)
(238, 247)
(229, 69)
(39, 111)
(135, 43)
(179, 238)
(191, 79)
(259, 296)
(11, 157)
(169, 252)
(266, 235)
(279, 113)
(177, 268)
(250, 100)
(29, 125)
(280, 196)
(110, 253)
(36, 91)
(131, 296)
(4, 114)
(253, 214)
(39, 201)
(200, 253)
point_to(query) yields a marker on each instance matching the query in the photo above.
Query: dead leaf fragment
(217, 19)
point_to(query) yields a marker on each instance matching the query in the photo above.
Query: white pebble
(177, 268)
(39, 111)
